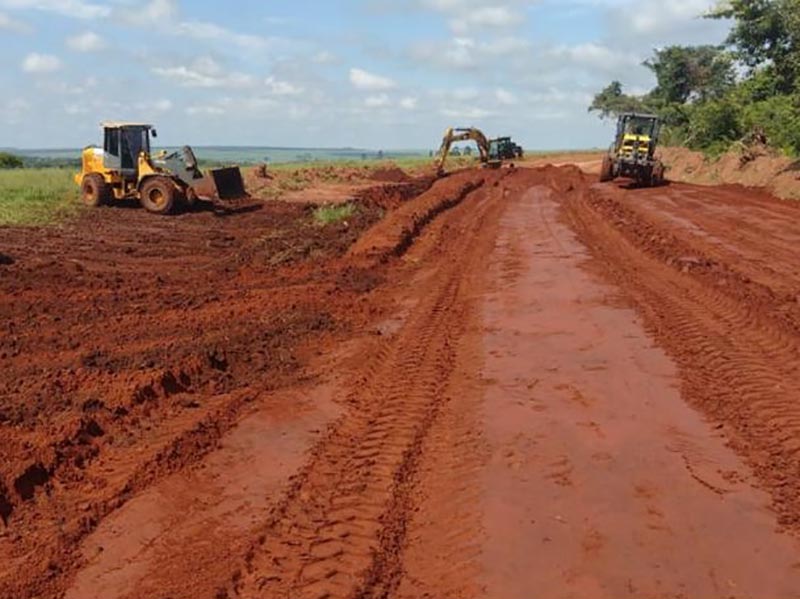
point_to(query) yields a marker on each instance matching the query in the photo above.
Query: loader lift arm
(454, 135)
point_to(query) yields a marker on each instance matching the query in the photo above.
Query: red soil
(515, 383)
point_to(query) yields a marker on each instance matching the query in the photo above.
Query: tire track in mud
(738, 351)
(343, 530)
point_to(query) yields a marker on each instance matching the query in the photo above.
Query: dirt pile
(396, 232)
(389, 174)
(778, 174)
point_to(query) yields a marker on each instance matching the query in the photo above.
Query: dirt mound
(778, 174)
(389, 174)
(392, 235)
(394, 195)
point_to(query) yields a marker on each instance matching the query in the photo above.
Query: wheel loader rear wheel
(158, 195)
(95, 191)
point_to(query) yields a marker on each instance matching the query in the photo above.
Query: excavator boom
(454, 135)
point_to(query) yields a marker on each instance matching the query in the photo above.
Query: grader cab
(633, 153)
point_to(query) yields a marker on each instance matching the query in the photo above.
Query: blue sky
(362, 73)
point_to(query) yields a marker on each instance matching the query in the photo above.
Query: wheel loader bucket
(228, 183)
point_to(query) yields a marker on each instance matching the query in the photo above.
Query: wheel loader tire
(607, 170)
(95, 191)
(158, 195)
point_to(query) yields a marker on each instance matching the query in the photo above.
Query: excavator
(454, 135)
(124, 168)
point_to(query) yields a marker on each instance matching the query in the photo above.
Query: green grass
(327, 215)
(37, 196)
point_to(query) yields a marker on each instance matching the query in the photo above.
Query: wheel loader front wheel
(95, 191)
(158, 195)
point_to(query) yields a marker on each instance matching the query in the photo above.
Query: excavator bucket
(228, 183)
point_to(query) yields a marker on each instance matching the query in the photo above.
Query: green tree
(691, 73)
(612, 101)
(765, 34)
(715, 125)
(10, 161)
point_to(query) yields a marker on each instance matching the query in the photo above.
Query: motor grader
(125, 169)
(632, 154)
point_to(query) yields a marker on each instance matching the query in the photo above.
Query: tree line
(712, 97)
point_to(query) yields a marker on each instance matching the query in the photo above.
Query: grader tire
(158, 195)
(607, 170)
(95, 191)
(658, 175)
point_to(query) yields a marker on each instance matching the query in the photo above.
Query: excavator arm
(454, 135)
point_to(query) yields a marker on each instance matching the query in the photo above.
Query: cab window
(112, 142)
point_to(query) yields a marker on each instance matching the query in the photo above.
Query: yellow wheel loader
(633, 152)
(125, 169)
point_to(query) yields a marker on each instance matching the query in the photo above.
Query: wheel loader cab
(122, 145)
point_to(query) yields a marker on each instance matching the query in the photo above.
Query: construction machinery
(503, 148)
(632, 154)
(455, 135)
(125, 169)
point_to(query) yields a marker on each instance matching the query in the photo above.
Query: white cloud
(505, 97)
(164, 15)
(10, 24)
(152, 13)
(200, 30)
(239, 105)
(377, 101)
(163, 105)
(79, 9)
(14, 110)
(205, 72)
(657, 17)
(282, 88)
(505, 45)
(466, 53)
(41, 63)
(205, 110)
(362, 79)
(466, 113)
(86, 42)
(409, 103)
(324, 57)
(488, 16)
(596, 57)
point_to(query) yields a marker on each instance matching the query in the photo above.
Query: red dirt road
(520, 383)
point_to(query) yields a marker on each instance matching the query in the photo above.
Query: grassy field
(37, 196)
(40, 196)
